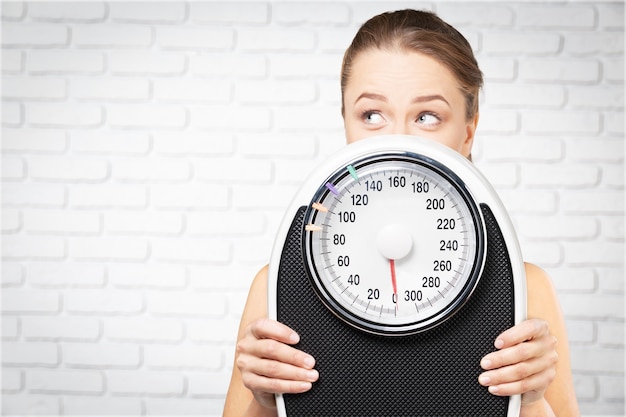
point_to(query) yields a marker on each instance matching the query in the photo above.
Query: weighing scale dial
(394, 243)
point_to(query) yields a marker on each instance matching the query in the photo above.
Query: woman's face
(395, 92)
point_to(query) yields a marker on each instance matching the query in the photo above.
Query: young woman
(409, 72)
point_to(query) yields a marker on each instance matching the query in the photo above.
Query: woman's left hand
(525, 362)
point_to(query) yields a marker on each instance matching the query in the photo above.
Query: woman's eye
(373, 118)
(428, 119)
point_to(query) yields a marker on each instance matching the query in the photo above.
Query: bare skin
(398, 92)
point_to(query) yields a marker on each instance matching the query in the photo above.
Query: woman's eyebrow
(372, 96)
(434, 97)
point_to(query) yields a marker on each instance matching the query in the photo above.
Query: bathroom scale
(398, 265)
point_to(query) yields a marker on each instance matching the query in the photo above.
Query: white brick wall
(150, 148)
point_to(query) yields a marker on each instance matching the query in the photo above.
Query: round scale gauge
(394, 243)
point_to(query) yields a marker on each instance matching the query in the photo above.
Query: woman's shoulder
(542, 298)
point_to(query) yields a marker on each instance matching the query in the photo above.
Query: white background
(149, 150)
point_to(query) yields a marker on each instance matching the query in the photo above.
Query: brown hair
(423, 32)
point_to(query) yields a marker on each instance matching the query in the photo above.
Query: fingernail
(494, 389)
(499, 343)
(312, 375)
(485, 363)
(309, 361)
(484, 380)
(294, 337)
(305, 386)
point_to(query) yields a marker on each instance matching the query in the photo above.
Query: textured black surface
(429, 374)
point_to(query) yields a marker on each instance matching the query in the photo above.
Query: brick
(612, 227)
(62, 222)
(110, 142)
(580, 331)
(12, 61)
(586, 388)
(243, 13)
(310, 13)
(279, 92)
(256, 197)
(613, 176)
(521, 42)
(60, 275)
(13, 11)
(204, 384)
(66, 115)
(560, 175)
(13, 168)
(521, 149)
(562, 70)
(148, 276)
(593, 202)
(109, 248)
(306, 118)
(254, 251)
(596, 97)
(546, 254)
(596, 43)
(270, 40)
(525, 96)
(101, 302)
(12, 381)
(195, 38)
(294, 171)
(11, 221)
(192, 90)
(146, 116)
(225, 224)
(148, 13)
(335, 40)
(34, 88)
(12, 114)
(151, 169)
(44, 405)
(611, 334)
(237, 65)
(33, 140)
(500, 122)
(611, 279)
(193, 143)
(109, 196)
(502, 175)
(33, 195)
(144, 330)
(221, 277)
(197, 250)
(146, 63)
(221, 331)
(34, 35)
(10, 329)
(11, 274)
(65, 62)
(612, 388)
(478, 14)
(145, 382)
(84, 406)
(33, 247)
(597, 149)
(41, 354)
(585, 359)
(611, 16)
(231, 118)
(531, 201)
(64, 168)
(102, 355)
(183, 357)
(190, 407)
(141, 223)
(188, 304)
(234, 171)
(592, 306)
(558, 227)
(594, 253)
(118, 89)
(68, 11)
(190, 196)
(552, 17)
(112, 35)
(575, 123)
(499, 69)
(64, 381)
(284, 66)
(60, 328)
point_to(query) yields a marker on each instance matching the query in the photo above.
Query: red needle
(392, 265)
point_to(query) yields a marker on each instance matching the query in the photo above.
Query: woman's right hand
(269, 365)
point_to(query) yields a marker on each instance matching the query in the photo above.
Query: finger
(519, 353)
(537, 382)
(260, 383)
(272, 329)
(253, 350)
(283, 371)
(526, 330)
(518, 371)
